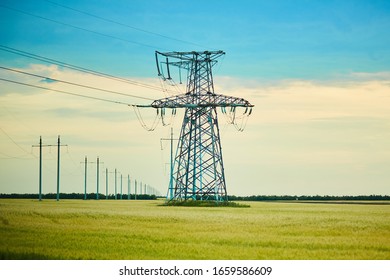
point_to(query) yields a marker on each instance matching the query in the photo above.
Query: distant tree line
(89, 196)
(92, 196)
(306, 197)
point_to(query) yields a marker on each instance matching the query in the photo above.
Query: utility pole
(121, 187)
(97, 176)
(85, 175)
(106, 183)
(170, 188)
(58, 166)
(40, 166)
(135, 187)
(128, 186)
(115, 186)
(85, 178)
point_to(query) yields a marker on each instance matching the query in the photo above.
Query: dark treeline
(305, 197)
(92, 196)
(77, 196)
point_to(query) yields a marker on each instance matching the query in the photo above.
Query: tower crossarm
(193, 55)
(209, 99)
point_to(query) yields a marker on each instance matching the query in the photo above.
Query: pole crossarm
(190, 100)
(40, 165)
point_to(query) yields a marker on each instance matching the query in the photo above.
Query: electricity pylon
(199, 172)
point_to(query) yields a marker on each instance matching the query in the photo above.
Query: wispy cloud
(48, 80)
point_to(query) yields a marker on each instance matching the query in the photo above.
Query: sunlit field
(76, 229)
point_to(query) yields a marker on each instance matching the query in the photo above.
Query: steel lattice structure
(198, 165)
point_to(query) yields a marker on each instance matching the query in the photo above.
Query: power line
(79, 68)
(13, 157)
(124, 25)
(13, 141)
(74, 84)
(66, 92)
(79, 28)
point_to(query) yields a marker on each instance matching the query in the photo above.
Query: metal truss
(199, 172)
(193, 100)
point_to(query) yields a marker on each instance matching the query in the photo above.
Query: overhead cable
(78, 68)
(13, 141)
(79, 28)
(74, 84)
(66, 92)
(124, 25)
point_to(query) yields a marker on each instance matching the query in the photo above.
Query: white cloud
(297, 100)
(335, 129)
(376, 76)
(301, 137)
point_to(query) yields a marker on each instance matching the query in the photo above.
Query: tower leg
(199, 171)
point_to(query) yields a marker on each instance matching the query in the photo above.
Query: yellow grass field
(76, 229)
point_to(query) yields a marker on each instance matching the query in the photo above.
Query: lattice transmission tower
(198, 165)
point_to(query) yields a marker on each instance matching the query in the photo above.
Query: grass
(76, 229)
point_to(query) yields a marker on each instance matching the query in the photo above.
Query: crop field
(76, 229)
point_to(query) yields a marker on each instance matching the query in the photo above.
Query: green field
(74, 229)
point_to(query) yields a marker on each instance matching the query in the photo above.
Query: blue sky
(270, 39)
(317, 71)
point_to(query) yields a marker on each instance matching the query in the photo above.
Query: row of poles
(58, 165)
(139, 188)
